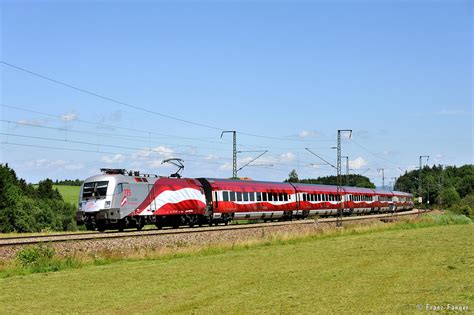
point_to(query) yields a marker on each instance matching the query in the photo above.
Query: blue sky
(399, 74)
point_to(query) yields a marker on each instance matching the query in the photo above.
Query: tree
(448, 197)
(46, 191)
(26, 209)
(292, 177)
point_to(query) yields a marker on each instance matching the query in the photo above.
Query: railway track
(54, 238)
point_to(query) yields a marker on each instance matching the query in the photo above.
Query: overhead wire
(82, 90)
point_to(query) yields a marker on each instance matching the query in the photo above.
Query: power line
(107, 125)
(146, 132)
(143, 139)
(118, 147)
(377, 156)
(107, 98)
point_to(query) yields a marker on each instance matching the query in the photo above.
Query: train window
(95, 189)
(270, 197)
(264, 196)
(232, 196)
(285, 197)
(275, 197)
(225, 196)
(304, 197)
(252, 196)
(259, 196)
(119, 189)
(246, 196)
(239, 196)
(280, 197)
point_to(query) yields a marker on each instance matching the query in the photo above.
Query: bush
(37, 258)
(42, 258)
(448, 197)
(462, 210)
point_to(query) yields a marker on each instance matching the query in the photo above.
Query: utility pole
(234, 152)
(383, 177)
(339, 179)
(347, 169)
(420, 194)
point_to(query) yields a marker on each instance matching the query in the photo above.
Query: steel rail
(55, 238)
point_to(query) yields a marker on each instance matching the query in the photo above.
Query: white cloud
(154, 157)
(31, 122)
(71, 116)
(74, 166)
(286, 157)
(56, 164)
(211, 157)
(358, 163)
(226, 167)
(116, 158)
(308, 134)
(161, 151)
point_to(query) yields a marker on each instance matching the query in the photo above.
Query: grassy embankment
(360, 270)
(69, 193)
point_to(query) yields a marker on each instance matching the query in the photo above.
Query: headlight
(107, 205)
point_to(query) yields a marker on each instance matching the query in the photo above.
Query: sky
(86, 85)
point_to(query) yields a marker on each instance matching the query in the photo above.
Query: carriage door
(151, 196)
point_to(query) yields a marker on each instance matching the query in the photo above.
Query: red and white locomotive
(118, 199)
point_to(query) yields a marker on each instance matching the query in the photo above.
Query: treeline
(353, 180)
(68, 182)
(26, 208)
(449, 187)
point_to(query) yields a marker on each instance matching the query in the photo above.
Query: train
(118, 199)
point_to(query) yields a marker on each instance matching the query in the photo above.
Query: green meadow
(69, 193)
(396, 270)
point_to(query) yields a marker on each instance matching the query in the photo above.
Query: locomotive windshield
(95, 189)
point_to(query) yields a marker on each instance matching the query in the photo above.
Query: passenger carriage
(118, 199)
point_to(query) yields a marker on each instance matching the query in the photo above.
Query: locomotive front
(97, 197)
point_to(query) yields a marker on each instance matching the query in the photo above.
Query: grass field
(391, 271)
(69, 193)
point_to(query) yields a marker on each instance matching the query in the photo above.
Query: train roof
(401, 193)
(383, 192)
(230, 184)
